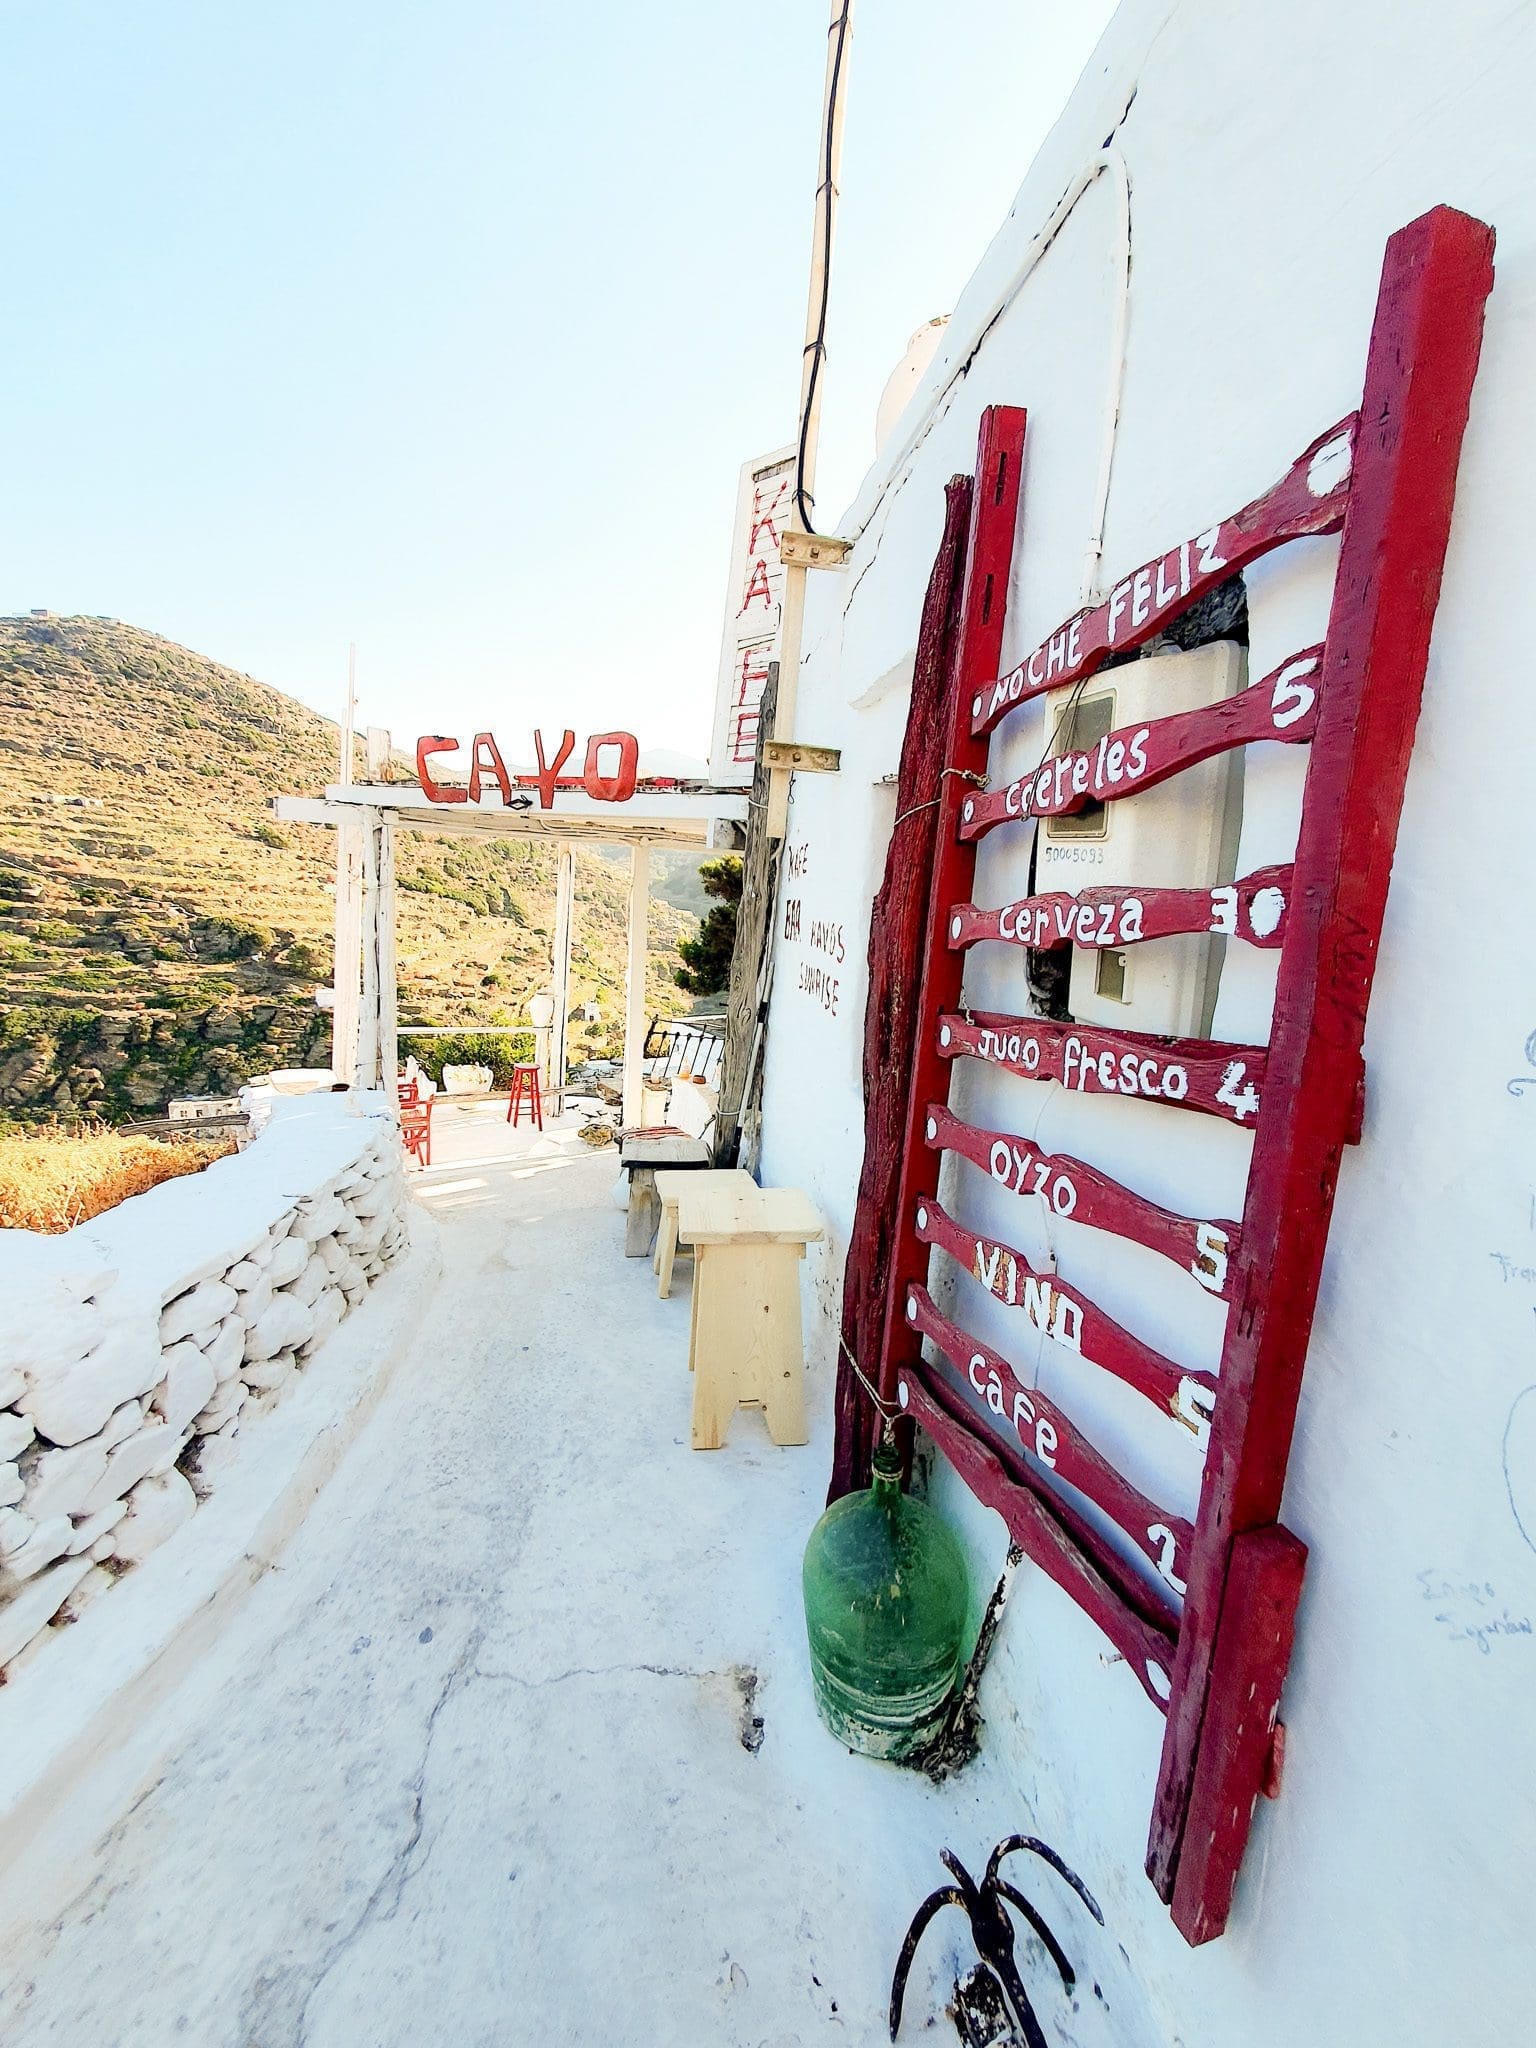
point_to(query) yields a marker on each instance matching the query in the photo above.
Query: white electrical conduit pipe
(1108, 159)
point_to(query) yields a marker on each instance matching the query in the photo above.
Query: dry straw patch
(50, 1182)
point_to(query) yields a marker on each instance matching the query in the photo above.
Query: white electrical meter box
(1180, 835)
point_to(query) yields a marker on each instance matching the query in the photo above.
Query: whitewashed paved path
(469, 1767)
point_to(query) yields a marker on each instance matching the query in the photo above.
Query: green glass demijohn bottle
(886, 1604)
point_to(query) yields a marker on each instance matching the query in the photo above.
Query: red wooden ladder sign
(1387, 475)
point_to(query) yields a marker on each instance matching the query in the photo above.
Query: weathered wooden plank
(1136, 758)
(1050, 1436)
(1035, 1524)
(1203, 1247)
(1422, 360)
(1309, 498)
(1253, 909)
(1205, 1074)
(897, 927)
(1069, 1318)
(1253, 1649)
(989, 556)
(751, 955)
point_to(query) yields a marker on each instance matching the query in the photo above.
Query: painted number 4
(1242, 1099)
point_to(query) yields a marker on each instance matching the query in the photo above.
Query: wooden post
(347, 947)
(897, 936)
(634, 995)
(752, 955)
(565, 907)
(979, 639)
(388, 981)
(368, 1010)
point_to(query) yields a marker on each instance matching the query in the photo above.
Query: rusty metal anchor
(986, 1907)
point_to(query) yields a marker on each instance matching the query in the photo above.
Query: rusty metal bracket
(788, 754)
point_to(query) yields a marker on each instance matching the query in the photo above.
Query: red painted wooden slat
(1072, 1188)
(989, 556)
(1136, 758)
(1072, 1320)
(1050, 1436)
(1309, 498)
(1420, 367)
(1205, 1074)
(1253, 909)
(1035, 1525)
(1253, 1648)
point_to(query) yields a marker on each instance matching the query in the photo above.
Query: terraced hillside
(161, 934)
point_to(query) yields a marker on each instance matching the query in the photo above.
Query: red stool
(525, 1094)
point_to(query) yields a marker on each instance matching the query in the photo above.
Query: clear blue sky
(445, 326)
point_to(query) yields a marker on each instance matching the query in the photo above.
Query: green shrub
(491, 1049)
(270, 834)
(53, 931)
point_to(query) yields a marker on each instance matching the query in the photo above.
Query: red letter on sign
(492, 764)
(757, 588)
(429, 744)
(619, 787)
(545, 779)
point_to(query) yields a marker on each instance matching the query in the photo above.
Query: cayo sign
(609, 780)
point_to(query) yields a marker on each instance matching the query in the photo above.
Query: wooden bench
(745, 1343)
(641, 1155)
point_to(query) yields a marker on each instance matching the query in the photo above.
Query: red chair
(525, 1094)
(416, 1129)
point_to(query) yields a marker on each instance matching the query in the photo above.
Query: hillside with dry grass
(161, 934)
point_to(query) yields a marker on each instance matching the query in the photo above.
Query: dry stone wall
(136, 1348)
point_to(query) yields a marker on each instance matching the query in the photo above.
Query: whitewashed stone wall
(135, 1348)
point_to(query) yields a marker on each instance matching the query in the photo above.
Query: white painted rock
(102, 1549)
(72, 1402)
(157, 1508)
(329, 1310)
(312, 1282)
(13, 1384)
(152, 1450)
(254, 1302)
(60, 1482)
(122, 1422)
(244, 1274)
(187, 1387)
(50, 1325)
(90, 1532)
(335, 1254)
(266, 1375)
(322, 1219)
(289, 1258)
(12, 1485)
(15, 1434)
(36, 1604)
(97, 1580)
(284, 1326)
(227, 1398)
(206, 1303)
(47, 1541)
(15, 1528)
(227, 1349)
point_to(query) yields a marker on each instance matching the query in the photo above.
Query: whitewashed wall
(1271, 151)
(135, 1347)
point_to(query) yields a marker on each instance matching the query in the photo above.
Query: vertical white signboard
(754, 607)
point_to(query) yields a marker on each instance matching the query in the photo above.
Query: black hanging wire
(817, 349)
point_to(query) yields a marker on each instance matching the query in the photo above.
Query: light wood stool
(745, 1345)
(669, 1188)
(641, 1156)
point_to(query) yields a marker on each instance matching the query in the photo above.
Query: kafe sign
(608, 774)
